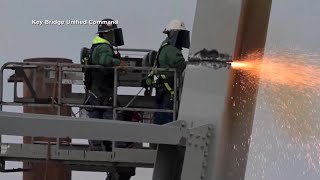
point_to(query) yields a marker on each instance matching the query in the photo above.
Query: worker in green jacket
(170, 56)
(100, 84)
(103, 54)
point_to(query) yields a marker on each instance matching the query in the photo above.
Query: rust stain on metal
(241, 99)
(45, 170)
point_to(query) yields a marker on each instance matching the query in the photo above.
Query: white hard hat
(175, 25)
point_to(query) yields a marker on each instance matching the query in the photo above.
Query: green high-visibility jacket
(103, 53)
(103, 79)
(171, 57)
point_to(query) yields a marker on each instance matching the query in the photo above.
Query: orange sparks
(282, 70)
(290, 83)
(289, 91)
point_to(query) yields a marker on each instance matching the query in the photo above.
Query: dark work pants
(126, 172)
(104, 114)
(163, 102)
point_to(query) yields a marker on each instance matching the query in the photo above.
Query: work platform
(171, 138)
(179, 147)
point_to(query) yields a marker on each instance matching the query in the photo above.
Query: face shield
(114, 36)
(183, 39)
(118, 37)
(180, 38)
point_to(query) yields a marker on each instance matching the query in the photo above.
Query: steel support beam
(215, 27)
(167, 163)
(20, 124)
(242, 92)
(140, 157)
(232, 27)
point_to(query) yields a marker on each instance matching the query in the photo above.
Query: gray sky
(281, 147)
(293, 23)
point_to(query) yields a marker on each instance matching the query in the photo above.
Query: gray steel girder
(121, 157)
(24, 124)
(170, 137)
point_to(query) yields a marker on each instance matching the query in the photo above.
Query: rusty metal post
(242, 92)
(45, 170)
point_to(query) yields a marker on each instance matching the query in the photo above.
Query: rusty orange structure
(243, 89)
(45, 170)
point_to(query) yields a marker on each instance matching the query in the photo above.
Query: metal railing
(60, 69)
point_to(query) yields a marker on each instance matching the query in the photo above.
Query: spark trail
(289, 86)
(282, 70)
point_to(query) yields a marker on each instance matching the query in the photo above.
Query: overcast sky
(293, 23)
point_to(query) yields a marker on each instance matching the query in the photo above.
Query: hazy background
(293, 24)
(285, 136)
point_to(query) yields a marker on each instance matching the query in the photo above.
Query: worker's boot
(125, 173)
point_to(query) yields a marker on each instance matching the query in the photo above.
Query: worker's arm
(105, 56)
(175, 58)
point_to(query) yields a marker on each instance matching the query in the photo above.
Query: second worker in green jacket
(170, 56)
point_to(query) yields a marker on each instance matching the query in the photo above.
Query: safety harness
(161, 78)
(86, 59)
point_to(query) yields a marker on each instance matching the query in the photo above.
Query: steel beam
(20, 124)
(243, 89)
(205, 90)
(39, 152)
(123, 100)
(167, 162)
(232, 27)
